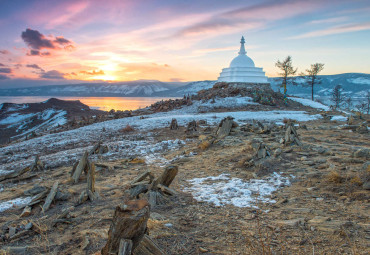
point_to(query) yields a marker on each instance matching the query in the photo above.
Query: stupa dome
(242, 61)
(242, 69)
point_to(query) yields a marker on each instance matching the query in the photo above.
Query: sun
(105, 77)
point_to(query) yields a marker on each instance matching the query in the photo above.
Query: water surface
(101, 103)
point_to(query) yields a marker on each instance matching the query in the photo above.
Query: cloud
(53, 74)
(18, 65)
(38, 42)
(4, 52)
(3, 77)
(334, 30)
(248, 17)
(2, 64)
(100, 72)
(5, 70)
(38, 53)
(176, 79)
(34, 66)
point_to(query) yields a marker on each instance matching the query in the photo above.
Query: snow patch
(310, 103)
(15, 118)
(222, 190)
(359, 80)
(14, 203)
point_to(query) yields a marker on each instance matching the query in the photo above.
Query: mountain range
(355, 85)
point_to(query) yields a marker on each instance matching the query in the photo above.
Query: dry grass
(127, 129)
(335, 177)
(204, 145)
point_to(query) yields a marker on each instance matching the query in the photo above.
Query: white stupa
(242, 69)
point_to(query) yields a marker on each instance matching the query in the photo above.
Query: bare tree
(349, 103)
(312, 75)
(337, 97)
(286, 66)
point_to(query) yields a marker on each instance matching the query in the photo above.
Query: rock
(62, 196)
(366, 185)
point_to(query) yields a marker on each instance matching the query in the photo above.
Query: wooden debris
(125, 247)
(141, 177)
(192, 126)
(174, 125)
(37, 165)
(99, 149)
(50, 197)
(168, 175)
(26, 211)
(224, 127)
(129, 223)
(147, 247)
(291, 136)
(262, 151)
(38, 198)
(90, 192)
(167, 190)
(80, 167)
(137, 190)
(14, 174)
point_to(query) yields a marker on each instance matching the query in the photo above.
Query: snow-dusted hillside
(355, 85)
(132, 88)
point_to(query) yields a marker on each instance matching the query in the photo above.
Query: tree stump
(168, 175)
(262, 151)
(80, 167)
(224, 127)
(129, 223)
(192, 126)
(291, 136)
(50, 197)
(174, 125)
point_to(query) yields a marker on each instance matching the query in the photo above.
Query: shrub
(127, 129)
(335, 177)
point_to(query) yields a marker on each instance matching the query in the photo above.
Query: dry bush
(204, 145)
(356, 181)
(127, 129)
(335, 177)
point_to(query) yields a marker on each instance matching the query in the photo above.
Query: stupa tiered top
(242, 69)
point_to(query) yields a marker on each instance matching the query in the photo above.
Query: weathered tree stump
(37, 165)
(129, 223)
(168, 175)
(174, 125)
(192, 126)
(80, 167)
(262, 151)
(291, 136)
(224, 127)
(50, 197)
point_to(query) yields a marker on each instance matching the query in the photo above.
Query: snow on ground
(222, 190)
(18, 202)
(66, 147)
(308, 102)
(15, 118)
(339, 118)
(359, 80)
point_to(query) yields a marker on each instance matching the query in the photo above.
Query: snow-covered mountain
(355, 85)
(18, 120)
(131, 88)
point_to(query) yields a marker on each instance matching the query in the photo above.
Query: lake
(100, 103)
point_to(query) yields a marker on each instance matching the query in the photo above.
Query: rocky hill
(19, 120)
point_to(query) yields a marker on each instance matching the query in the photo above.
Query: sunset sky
(68, 41)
